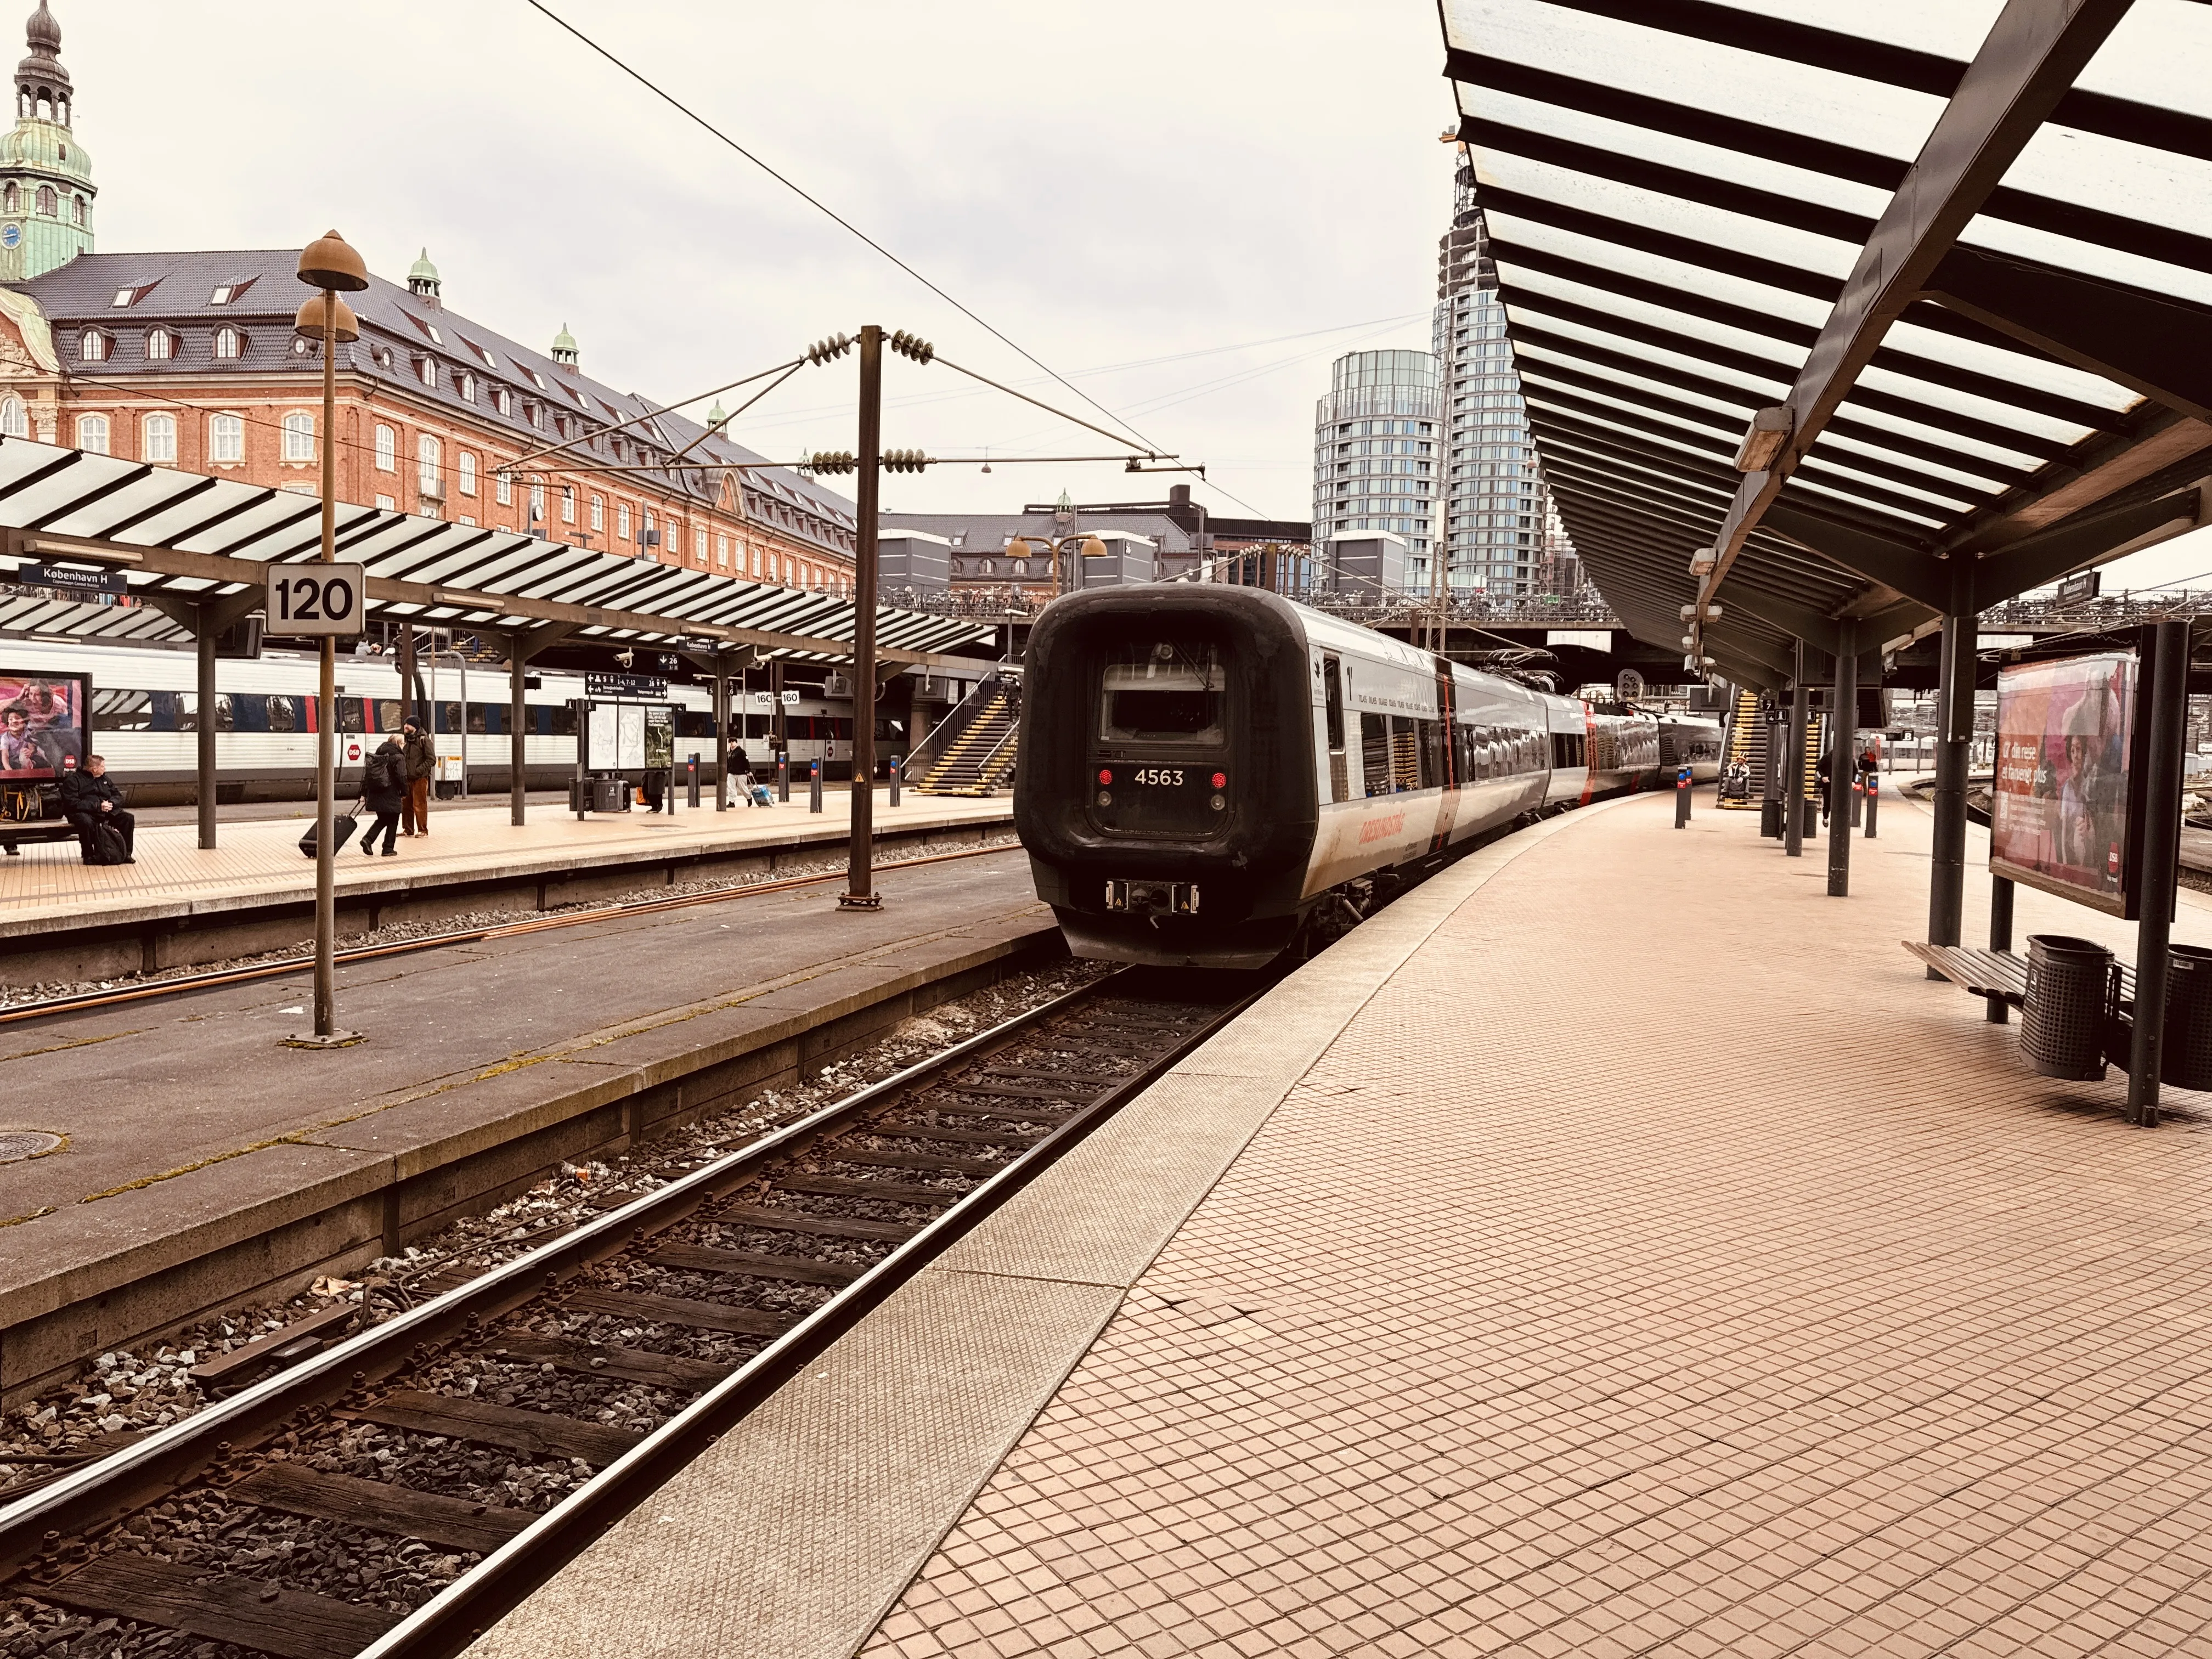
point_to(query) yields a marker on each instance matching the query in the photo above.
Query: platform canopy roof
(186, 541)
(1875, 311)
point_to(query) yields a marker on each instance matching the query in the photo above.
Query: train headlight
(1220, 801)
(1105, 798)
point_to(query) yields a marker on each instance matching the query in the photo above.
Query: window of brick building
(721, 550)
(387, 450)
(229, 342)
(160, 437)
(465, 465)
(621, 521)
(427, 369)
(599, 513)
(503, 489)
(299, 436)
(428, 457)
(699, 545)
(91, 433)
(568, 504)
(92, 346)
(465, 383)
(226, 438)
(160, 345)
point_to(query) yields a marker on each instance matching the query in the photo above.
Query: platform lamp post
(329, 263)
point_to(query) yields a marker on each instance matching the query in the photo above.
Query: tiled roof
(176, 288)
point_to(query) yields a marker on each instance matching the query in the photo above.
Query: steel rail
(215, 978)
(37, 1531)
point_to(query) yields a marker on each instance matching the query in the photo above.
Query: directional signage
(63, 578)
(625, 685)
(317, 599)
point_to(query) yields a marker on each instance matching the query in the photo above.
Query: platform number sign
(316, 599)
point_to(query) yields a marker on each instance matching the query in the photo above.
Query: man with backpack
(384, 787)
(93, 806)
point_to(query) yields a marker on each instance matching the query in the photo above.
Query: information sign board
(2065, 742)
(94, 585)
(646, 686)
(629, 737)
(2083, 585)
(318, 600)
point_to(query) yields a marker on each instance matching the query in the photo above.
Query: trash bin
(609, 794)
(1770, 818)
(2185, 1057)
(2062, 1028)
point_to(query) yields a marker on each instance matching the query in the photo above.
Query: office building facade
(1378, 455)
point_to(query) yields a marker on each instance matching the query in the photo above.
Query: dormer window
(230, 343)
(160, 345)
(436, 338)
(537, 379)
(131, 296)
(225, 293)
(427, 369)
(94, 346)
(465, 383)
(503, 400)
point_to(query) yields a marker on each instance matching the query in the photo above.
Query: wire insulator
(912, 345)
(823, 350)
(905, 460)
(830, 460)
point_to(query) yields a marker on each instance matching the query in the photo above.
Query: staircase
(1747, 747)
(973, 750)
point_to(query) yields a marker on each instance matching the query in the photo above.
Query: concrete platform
(205, 1161)
(1617, 1248)
(62, 919)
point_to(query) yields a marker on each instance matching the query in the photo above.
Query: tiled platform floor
(1658, 1264)
(261, 858)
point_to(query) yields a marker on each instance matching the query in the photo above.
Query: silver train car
(1211, 775)
(145, 720)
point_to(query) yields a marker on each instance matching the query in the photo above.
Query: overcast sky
(1188, 210)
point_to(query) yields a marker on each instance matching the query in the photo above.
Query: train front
(1166, 789)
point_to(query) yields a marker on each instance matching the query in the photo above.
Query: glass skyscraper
(1494, 509)
(1378, 455)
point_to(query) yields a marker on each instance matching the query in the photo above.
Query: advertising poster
(2059, 820)
(42, 724)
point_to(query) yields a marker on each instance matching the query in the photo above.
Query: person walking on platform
(1821, 770)
(92, 804)
(421, 761)
(383, 787)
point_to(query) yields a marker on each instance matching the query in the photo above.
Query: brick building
(190, 360)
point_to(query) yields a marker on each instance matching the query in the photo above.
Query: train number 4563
(1170, 775)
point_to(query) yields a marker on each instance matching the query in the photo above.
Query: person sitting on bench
(89, 800)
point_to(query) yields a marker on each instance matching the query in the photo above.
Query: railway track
(216, 977)
(501, 1427)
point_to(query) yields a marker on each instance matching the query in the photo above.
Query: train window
(694, 723)
(123, 711)
(353, 715)
(174, 711)
(1375, 754)
(564, 720)
(285, 714)
(1434, 771)
(1405, 755)
(1165, 691)
(449, 717)
(479, 719)
(1339, 775)
(388, 717)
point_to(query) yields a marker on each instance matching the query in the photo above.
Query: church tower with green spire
(45, 178)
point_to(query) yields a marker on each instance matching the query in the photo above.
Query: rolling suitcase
(342, 829)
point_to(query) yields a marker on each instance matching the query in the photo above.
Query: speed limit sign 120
(315, 598)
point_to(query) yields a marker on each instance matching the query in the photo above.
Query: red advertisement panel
(42, 724)
(2059, 820)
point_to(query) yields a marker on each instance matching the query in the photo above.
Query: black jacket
(384, 779)
(82, 793)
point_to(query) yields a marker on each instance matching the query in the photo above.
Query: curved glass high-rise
(1377, 448)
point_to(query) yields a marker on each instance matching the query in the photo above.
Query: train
(1213, 776)
(145, 719)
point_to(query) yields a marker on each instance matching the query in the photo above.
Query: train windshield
(1162, 691)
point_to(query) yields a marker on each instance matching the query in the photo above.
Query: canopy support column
(1793, 783)
(203, 733)
(2161, 863)
(1843, 761)
(1954, 732)
(521, 646)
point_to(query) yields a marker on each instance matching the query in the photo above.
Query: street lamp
(330, 265)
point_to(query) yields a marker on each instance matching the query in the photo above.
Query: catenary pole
(859, 870)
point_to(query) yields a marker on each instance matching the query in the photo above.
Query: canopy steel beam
(494, 609)
(2159, 347)
(2026, 65)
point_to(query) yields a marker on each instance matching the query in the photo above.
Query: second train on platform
(1211, 775)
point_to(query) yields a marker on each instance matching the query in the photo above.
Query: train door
(1339, 768)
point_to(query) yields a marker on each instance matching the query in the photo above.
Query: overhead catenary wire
(651, 414)
(815, 202)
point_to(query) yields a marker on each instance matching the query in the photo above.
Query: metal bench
(14, 833)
